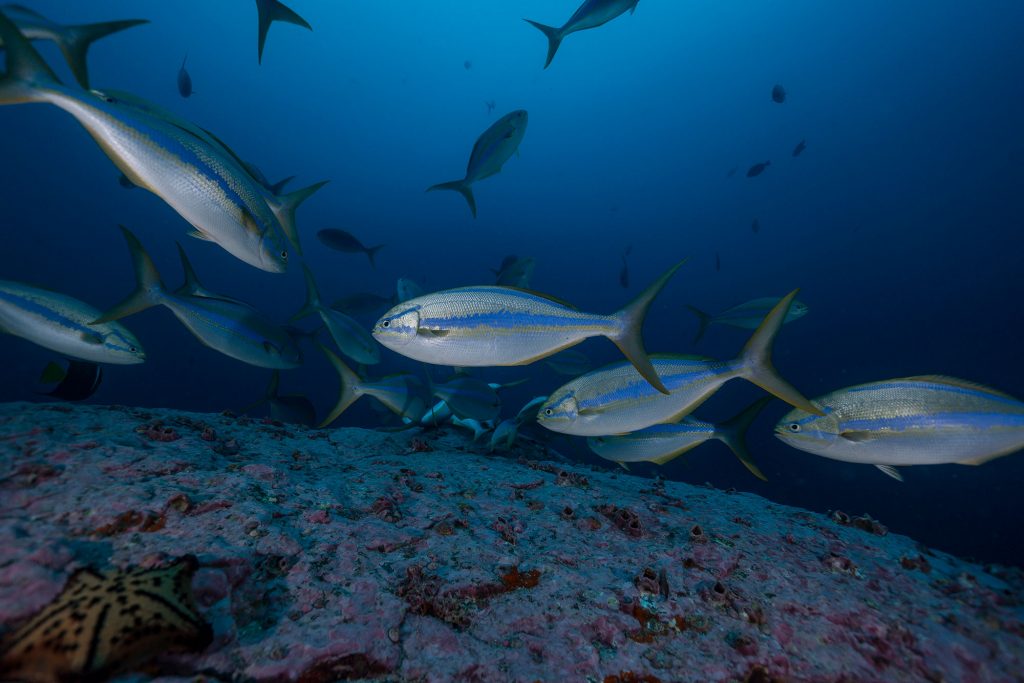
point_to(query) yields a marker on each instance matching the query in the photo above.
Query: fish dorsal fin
(891, 471)
(956, 382)
(540, 295)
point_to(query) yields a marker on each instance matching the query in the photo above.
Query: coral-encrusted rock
(348, 554)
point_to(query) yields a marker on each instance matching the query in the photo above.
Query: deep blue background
(901, 221)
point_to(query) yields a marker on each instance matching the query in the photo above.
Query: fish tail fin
(630, 321)
(271, 11)
(349, 390)
(554, 36)
(733, 433)
(704, 319)
(371, 253)
(278, 187)
(286, 207)
(192, 285)
(75, 41)
(149, 289)
(27, 72)
(312, 304)
(755, 361)
(460, 186)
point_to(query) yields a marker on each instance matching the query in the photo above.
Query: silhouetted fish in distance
(591, 14)
(755, 226)
(778, 94)
(800, 147)
(184, 80)
(758, 169)
(340, 240)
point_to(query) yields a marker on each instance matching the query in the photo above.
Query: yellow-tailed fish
(591, 14)
(204, 185)
(227, 325)
(468, 397)
(74, 41)
(616, 399)
(441, 412)
(63, 324)
(270, 11)
(492, 149)
(352, 338)
(747, 315)
(928, 420)
(404, 395)
(664, 442)
(491, 326)
(504, 435)
(282, 204)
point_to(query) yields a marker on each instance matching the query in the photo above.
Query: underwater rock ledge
(358, 555)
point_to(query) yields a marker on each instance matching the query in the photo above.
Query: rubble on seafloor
(351, 554)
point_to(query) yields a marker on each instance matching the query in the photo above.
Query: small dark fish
(289, 408)
(755, 226)
(778, 94)
(624, 273)
(801, 146)
(731, 173)
(78, 382)
(363, 302)
(270, 11)
(490, 106)
(467, 65)
(124, 182)
(339, 240)
(718, 262)
(184, 80)
(758, 169)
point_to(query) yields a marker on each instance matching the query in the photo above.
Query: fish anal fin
(199, 235)
(891, 471)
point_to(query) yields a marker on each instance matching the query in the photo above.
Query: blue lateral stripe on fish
(50, 314)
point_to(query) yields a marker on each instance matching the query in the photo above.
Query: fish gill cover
(870, 155)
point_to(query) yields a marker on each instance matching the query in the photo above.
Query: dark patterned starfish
(105, 623)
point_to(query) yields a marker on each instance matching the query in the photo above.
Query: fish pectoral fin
(859, 436)
(891, 471)
(199, 235)
(94, 338)
(271, 348)
(426, 332)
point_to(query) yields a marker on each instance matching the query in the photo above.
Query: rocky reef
(325, 555)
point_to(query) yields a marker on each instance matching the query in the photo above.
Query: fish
(662, 443)
(77, 382)
(468, 397)
(227, 325)
(106, 623)
(184, 80)
(624, 273)
(489, 326)
(404, 394)
(778, 94)
(591, 14)
(206, 187)
(746, 316)
(467, 65)
(569, 362)
(352, 339)
(800, 147)
(340, 240)
(528, 412)
(490, 106)
(925, 420)
(472, 425)
(289, 408)
(406, 289)
(65, 325)
(270, 11)
(441, 412)
(518, 273)
(758, 169)
(504, 436)
(616, 399)
(362, 302)
(490, 152)
(755, 227)
(74, 41)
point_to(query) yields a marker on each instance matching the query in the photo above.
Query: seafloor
(358, 555)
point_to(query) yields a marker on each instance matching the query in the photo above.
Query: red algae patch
(329, 555)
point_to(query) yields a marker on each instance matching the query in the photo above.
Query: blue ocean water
(900, 222)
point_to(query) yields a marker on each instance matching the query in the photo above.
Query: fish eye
(284, 255)
(132, 349)
(549, 412)
(794, 427)
(385, 323)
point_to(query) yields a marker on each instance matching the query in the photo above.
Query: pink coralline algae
(353, 555)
